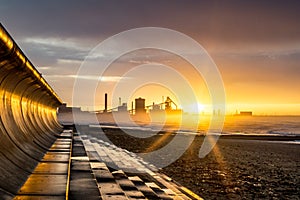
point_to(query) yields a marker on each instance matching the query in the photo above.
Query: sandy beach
(239, 167)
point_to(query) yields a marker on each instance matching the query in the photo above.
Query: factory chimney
(105, 104)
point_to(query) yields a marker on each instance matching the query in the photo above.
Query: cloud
(225, 22)
(55, 42)
(140, 62)
(57, 47)
(69, 61)
(91, 78)
(44, 68)
(53, 51)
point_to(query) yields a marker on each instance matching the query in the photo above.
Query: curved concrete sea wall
(28, 122)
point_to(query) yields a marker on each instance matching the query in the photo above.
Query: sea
(235, 125)
(262, 125)
(199, 124)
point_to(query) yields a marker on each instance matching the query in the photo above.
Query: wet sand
(239, 167)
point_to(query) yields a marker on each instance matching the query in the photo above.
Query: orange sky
(255, 45)
(255, 89)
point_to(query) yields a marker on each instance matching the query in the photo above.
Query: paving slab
(51, 168)
(134, 194)
(148, 192)
(37, 197)
(136, 180)
(126, 184)
(66, 134)
(103, 175)
(60, 146)
(93, 156)
(41, 184)
(83, 187)
(56, 157)
(114, 197)
(98, 165)
(78, 165)
(80, 158)
(111, 188)
(64, 140)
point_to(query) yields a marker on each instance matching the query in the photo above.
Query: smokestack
(120, 102)
(105, 104)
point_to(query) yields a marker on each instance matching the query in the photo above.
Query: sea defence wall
(28, 110)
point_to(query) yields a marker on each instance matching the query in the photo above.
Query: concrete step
(129, 188)
(82, 182)
(50, 177)
(106, 182)
(121, 174)
(82, 167)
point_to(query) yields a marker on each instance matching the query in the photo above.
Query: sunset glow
(258, 61)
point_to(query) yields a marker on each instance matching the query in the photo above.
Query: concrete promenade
(78, 166)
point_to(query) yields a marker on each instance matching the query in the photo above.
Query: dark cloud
(47, 55)
(227, 21)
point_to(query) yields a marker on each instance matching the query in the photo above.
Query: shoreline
(270, 137)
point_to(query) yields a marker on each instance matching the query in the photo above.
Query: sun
(200, 107)
(194, 108)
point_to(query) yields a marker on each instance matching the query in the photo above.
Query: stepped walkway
(78, 166)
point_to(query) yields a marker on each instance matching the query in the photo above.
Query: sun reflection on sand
(158, 142)
(223, 174)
